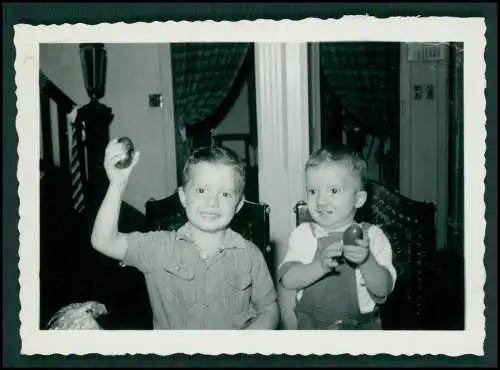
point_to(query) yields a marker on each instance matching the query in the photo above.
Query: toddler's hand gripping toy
(351, 234)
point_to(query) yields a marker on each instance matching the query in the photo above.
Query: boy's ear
(240, 204)
(360, 198)
(182, 196)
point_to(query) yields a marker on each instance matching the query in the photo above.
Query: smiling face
(211, 196)
(333, 194)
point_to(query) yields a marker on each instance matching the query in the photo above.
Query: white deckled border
(471, 31)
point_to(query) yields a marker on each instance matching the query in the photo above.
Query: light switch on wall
(417, 92)
(155, 100)
(429, 92)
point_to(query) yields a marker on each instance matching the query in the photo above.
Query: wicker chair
(409, 225)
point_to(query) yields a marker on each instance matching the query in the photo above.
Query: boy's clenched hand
(114, 153)
(357, 254)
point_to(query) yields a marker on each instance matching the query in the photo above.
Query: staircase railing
(63, 140)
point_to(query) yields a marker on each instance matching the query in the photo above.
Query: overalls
(332, 302)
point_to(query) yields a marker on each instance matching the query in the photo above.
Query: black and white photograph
(274, 187)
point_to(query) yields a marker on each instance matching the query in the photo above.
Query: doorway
(402, 106)
(357, 85)
(214, 103)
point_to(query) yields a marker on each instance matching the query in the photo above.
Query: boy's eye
(200, 190)
(334, 190)
(226, 194)
(311, 191)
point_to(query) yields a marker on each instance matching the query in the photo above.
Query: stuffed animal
(78, 316)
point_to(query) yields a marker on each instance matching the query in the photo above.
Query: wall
(134, 71)
(133, 74)
(61, 64)
(237, 121)
(424, 129)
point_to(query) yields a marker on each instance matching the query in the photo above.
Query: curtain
(365, 78)
(203, 74)
(331, 116)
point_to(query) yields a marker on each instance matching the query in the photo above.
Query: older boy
(204, 275)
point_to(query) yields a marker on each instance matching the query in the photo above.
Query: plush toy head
(78, 316)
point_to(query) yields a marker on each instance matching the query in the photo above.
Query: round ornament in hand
(128, 146)
(351, 234)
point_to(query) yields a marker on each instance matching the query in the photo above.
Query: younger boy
(338, 286)
(204, 275)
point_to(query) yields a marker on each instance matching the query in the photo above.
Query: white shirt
(302, 246)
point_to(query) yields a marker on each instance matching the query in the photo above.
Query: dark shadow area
(71, 271)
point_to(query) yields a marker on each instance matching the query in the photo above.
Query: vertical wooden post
(283, 131)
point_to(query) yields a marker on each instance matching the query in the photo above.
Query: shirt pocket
(237, 291)
(180, 284)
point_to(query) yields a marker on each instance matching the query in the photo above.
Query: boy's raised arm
(105, 236)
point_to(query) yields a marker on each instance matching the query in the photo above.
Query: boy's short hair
(353, 159)
(216, 155)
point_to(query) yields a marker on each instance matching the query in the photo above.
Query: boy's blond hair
(335, 153)
(216, 155)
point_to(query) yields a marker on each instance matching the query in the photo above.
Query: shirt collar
(231, 238)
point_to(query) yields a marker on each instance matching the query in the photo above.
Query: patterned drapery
(365, 78)
(202, 76)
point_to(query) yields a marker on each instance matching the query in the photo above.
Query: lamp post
(97, 118)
